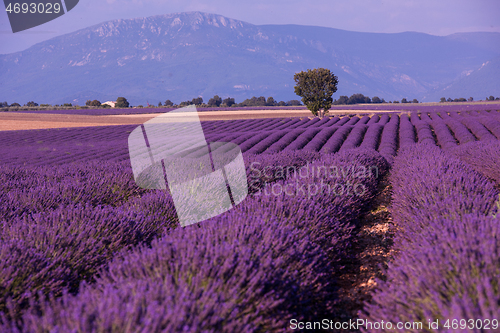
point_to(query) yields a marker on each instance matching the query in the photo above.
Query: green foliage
(491, 98)
(31, 103)
(215, 101)
(358, 99)
(461, 99)
(229, 101)
(254, 101)
(342, 100)
(414, 100)
(293, 102)
(404, 100)
(67, 104)
(121, 102)
(197, 101)
(270, 101)
(168, 103)
(316, 88)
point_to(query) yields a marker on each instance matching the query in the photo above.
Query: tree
(215, 101)
(197, 101)
(376, 99)
(442, 100)
(95, 102)
(31, 103)
(404, 100)
(358, 99)
(342, 100)
(316, 88)
(491, 98)
(15, 104)
(168, 103)
(159, 104)
(270, 101)
(121, 102)
(293, 102)
(281, 103)
(414, 100)
(4, 104)
(88, 102)
(254, 101)
(229, 101)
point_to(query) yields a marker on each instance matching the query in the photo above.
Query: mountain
(184, 55)
(479, 83)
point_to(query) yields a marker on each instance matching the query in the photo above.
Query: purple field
(417, 107)
(404, 227)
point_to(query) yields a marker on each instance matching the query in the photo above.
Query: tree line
(461, 99)
(362, 99)
(215, 101)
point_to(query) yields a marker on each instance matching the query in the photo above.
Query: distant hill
(184, 55)
(479, 83)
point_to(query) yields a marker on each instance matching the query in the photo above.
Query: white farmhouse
(112, 104)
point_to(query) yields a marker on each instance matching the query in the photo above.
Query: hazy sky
(436, 17)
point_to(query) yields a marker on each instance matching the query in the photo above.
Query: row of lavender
(445, 107)
(333, 129)
(448, 216)
(272, 258)
(84, 205)
(64, 222)
(383, 133)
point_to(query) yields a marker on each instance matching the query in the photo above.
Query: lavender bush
(448, 242)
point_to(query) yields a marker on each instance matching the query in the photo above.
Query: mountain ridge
(179, 56)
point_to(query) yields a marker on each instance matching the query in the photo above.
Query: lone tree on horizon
(316, 88)
(121, 102)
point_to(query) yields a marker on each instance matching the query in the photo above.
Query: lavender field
(393, 217)
(395, 107)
